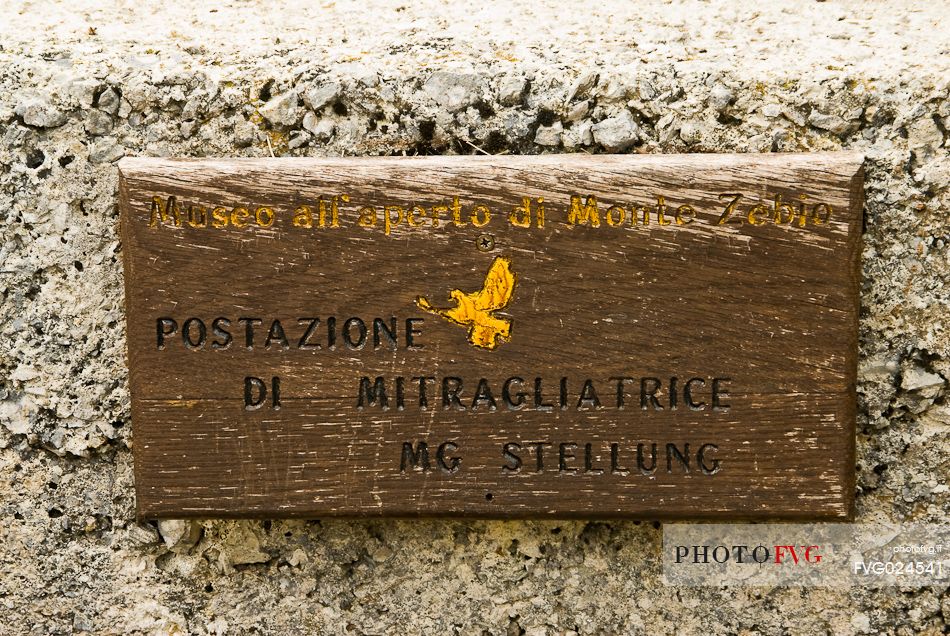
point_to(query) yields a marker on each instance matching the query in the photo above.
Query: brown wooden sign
(554, 336)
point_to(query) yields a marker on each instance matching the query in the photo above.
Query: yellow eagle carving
(475, 310)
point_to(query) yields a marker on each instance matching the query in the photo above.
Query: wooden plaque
(662, 336)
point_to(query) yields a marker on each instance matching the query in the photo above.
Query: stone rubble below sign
(657, 336)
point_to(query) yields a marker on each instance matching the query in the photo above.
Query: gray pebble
(512, 89)
(109, 101)
(40, 113)
(582, 86)
(321, 128)
(720, 97)
(834, 123)
(549, 135)
(321, 96)
(98, 122)
(105, 151)
(453, 91)
(282, 110)
(618, 132)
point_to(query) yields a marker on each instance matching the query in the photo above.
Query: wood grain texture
(770, 309)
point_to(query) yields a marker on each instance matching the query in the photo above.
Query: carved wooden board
(555, 336)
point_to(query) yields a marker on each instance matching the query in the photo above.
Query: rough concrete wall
(82, 86)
